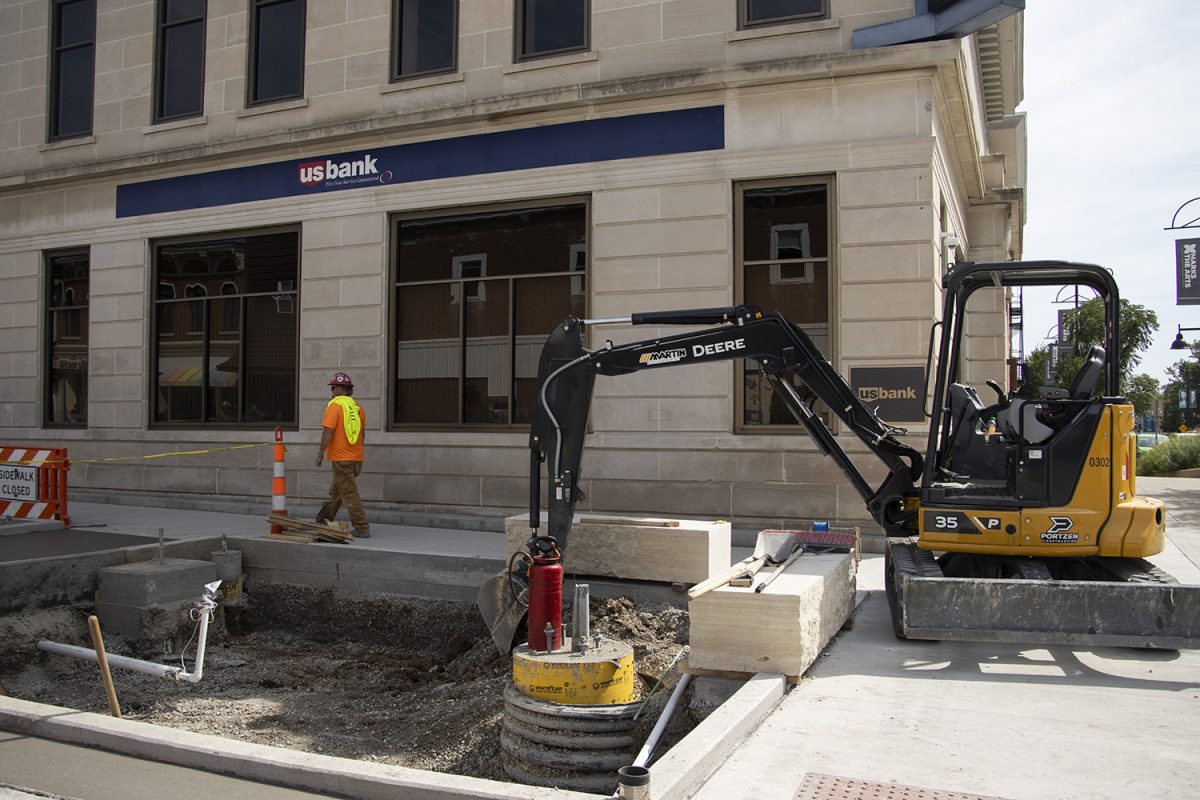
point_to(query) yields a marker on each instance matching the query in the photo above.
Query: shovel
(772, 547)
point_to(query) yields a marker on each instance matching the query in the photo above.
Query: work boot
(362, 534)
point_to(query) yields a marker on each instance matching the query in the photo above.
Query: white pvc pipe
(652, 741)
(205, 606)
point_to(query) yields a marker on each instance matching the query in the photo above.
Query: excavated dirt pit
(403, 681)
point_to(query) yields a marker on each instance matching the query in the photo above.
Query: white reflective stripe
(277, 502)
(278, 472)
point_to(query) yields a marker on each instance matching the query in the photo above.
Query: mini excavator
(1020, 521)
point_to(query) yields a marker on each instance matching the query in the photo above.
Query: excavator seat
(1035, 422)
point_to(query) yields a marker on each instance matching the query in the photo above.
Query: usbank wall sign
(637, 136)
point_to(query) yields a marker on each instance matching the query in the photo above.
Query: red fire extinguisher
(545, 598)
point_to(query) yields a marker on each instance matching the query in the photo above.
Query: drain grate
(832, 787)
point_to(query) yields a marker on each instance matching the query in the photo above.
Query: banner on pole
(1187, 285)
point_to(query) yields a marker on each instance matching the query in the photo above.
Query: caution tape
(135, 458)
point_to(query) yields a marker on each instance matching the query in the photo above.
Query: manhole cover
(832, 787)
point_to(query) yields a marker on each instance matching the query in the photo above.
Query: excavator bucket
(1141, 606)
(502, 612)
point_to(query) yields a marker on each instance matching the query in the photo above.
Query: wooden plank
(687, 669)
(328, 532)
(290, 537)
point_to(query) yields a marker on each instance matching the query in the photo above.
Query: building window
(783, 235)
(276, 51)
(424, 37)
(771, 12)
(547, 27)
(179, 60)
(474, 363)
(229, 357)
(67, 332)
(72, 68)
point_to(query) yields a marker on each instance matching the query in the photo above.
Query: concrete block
(780, 630)
(149, 582)
(636, 548)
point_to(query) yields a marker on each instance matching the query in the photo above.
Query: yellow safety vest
(351, 420)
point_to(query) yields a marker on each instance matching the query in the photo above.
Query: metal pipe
(651, 744)
(607, 320)
(581, 619)
(204, 607)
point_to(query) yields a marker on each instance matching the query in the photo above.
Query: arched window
(195, 308)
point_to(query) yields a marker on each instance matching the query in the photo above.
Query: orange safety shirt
(340, 448)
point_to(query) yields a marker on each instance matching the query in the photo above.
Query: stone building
(207, 208)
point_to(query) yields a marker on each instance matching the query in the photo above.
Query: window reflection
(476, 296)
(229, 357)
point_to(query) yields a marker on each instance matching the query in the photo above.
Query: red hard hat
(341, 379)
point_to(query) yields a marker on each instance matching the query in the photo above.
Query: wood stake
(102, 659)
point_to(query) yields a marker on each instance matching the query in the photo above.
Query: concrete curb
(273, 765)
(692, 761)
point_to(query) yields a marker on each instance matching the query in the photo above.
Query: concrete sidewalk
(1014, 721)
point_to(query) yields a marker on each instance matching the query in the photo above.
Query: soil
(403, 681)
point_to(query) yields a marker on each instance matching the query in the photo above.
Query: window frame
(740, 188)
(53, 120)
(745, 23)
(79, 335)
(521, 51)
(252, 52)
(161, 90)
(391, 376)
(396, 72)
(155, 348)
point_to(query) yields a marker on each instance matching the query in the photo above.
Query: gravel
(379, 678)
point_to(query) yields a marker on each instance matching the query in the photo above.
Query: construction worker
(342, 436)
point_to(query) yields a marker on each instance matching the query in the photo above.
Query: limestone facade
(913, 156)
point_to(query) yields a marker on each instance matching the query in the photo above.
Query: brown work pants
(344, 491)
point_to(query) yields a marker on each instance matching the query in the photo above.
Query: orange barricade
(278, 482)
(33, 482)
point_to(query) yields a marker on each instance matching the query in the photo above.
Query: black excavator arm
(567, 372)
(566, 376)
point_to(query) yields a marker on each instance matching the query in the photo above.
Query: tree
(1142, 391)
(1084, 326)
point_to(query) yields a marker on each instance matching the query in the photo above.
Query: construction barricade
(33, 482)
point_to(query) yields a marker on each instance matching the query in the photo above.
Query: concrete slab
(1099, 723)
(633, 547)
(780, 630)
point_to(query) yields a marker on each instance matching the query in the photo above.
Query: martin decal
(1058, 533)
(662, 357)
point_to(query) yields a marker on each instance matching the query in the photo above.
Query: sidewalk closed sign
(18, 483)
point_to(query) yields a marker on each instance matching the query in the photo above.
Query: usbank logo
(870, 394)
(343, 173)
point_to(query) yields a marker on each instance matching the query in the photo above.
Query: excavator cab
(1036, 451)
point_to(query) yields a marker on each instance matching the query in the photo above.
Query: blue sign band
(660, 133)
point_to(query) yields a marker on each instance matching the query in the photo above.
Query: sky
(1112, 104)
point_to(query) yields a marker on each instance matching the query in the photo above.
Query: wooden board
(687, 669)
(327, 533)
(290, 537)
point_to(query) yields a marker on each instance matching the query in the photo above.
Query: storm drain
(833, 787)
